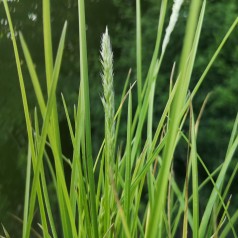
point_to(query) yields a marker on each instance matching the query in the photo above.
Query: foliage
(99, 189)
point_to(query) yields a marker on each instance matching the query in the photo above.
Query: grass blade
(85, 99)
(138, 52)
(27, 190)
(47, 43)
(127, 200)
(68, 119)
(218, 184)
(193, 157)
(34, 78)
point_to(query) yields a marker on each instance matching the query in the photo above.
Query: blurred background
(119, 16)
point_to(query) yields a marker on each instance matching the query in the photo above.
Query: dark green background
(119, 16)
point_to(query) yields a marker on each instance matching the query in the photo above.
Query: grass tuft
(131, 190)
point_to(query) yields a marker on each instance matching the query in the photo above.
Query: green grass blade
(32, 71)
(119, 111)
(153, 141)
(77, 173)
(185, 217)
(138, 51)
(47, 43)
(222, 219)
(68, 119)
(85, 96)
(120, 209)
(216, 189)
(193, 157)
(234, 172)
(180, 198)
(218, 184)
(49, 68)
(228, 186)
(163, 117)
(138, 176)
(233, 133)
(136, 222)
(43, 179)
(228, 227)
(27, 190)
(54, 128)
(163, 9)
(127, 199)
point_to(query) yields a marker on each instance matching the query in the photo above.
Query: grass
(105, 197)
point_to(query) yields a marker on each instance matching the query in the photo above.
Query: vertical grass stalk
(138, 52)
(54, 128)
(108, 103)
(127, 198)
(84, 90)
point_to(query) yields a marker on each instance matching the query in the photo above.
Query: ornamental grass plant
(131, 190)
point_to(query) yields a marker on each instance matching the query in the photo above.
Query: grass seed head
(108, 90)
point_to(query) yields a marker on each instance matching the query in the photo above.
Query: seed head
(172, 21)
(108, 90)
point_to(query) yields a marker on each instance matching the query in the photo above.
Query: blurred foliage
(119, 16)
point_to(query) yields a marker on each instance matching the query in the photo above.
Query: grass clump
(105, 197)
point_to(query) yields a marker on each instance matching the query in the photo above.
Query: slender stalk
(108, 103)
(193, 157)
(138, 51)
(85, 92)
(127, 199)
